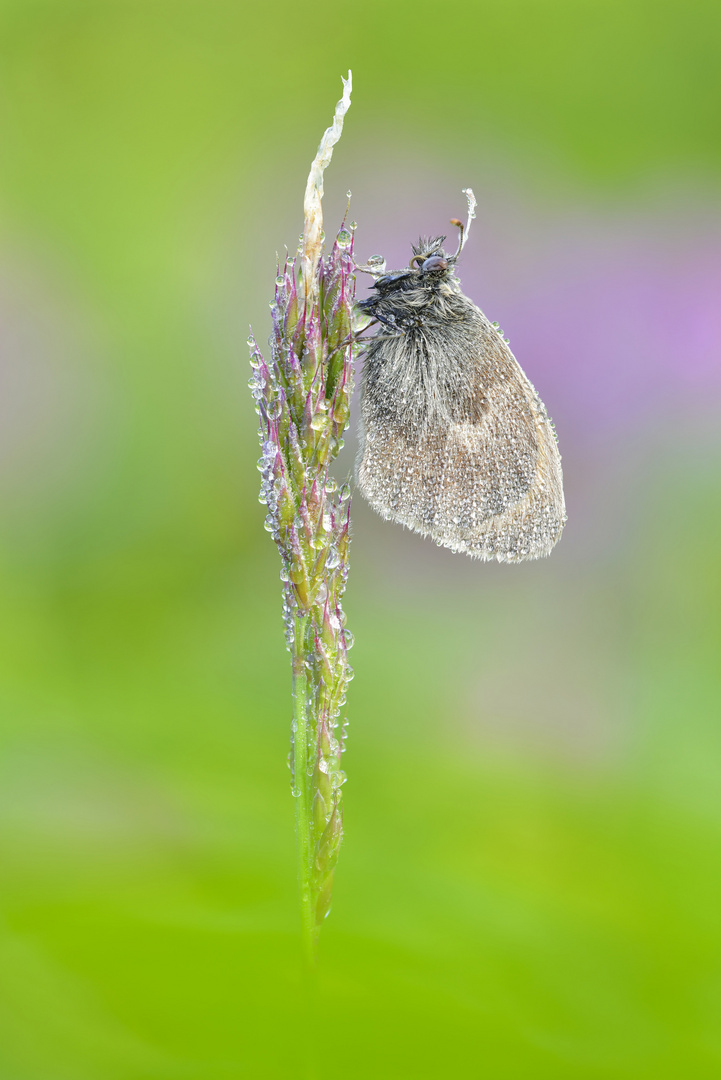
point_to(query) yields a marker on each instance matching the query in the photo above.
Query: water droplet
(344, 238)
(331, 485)
(280, 280)
(349, 639)
(333, 558)
(251, 342)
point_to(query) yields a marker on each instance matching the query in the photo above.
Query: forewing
(482, 473)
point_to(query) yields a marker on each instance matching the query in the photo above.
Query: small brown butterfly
(455, 442)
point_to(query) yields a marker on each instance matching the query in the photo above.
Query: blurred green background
(530, 884)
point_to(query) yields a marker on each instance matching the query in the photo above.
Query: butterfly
(455, 443)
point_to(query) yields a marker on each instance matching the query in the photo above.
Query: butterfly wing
(457, 445)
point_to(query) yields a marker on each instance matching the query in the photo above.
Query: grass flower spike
(302, 394)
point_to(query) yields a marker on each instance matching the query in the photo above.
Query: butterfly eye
(435, 262)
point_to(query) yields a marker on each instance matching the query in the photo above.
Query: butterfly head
(431, 269)
(430, 258)
(429, 265)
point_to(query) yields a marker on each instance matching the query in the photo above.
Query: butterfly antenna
(471, 198)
